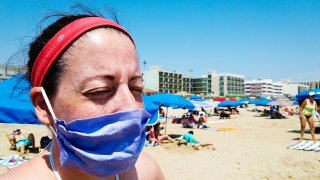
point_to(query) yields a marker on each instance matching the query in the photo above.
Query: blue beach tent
(15, 103)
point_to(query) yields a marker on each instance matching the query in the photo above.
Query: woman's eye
(137, 91)
(98, 93)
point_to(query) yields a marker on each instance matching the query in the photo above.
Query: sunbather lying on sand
(193, 142)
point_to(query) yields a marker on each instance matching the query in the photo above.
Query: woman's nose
(125, 100)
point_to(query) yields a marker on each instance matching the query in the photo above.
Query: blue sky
(259, 39)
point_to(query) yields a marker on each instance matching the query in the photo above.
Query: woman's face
(102, 76)
(311, 98)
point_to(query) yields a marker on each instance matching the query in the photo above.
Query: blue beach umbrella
(263, 102)
(152, 109)
(195, 97)
(228, 103)
(171, 100)
(305, 94)
(15, 103)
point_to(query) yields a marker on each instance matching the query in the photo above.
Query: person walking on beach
(193, 142)
(307, 107)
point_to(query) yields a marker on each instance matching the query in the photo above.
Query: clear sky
(258, 39)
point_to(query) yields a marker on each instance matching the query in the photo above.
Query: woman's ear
(40, 106)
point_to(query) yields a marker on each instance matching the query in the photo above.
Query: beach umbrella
(228, 103)
(281, 103)
(15, 102)
(244, 100)
(204, 103)
(295, 103)
(152, 109)
(305, 94)
(263, 102)
(195, 97)
(171, 100)
(221, 99)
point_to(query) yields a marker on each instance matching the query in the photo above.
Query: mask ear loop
(46, 99)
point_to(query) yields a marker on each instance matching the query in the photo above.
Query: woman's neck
(70, 173)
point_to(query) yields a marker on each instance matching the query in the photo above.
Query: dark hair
(57, 69)
(53, 76)
(190, 132)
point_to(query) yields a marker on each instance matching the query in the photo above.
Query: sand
(257, 150)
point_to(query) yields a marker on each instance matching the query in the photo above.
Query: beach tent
(152, 109)
(15, 103)
(228, 103)
(305, 94)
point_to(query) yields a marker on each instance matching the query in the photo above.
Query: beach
(249, 148)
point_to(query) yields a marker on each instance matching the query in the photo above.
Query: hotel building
(264, 87)
(311, 84)
(8, 71)
(210, 85)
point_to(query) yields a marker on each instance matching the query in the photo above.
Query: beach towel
(317, 149)
(211, 129)
(11, 161)
(294, 146)
(315, 115)
(307, 144)
(227, 129)
(312, 146)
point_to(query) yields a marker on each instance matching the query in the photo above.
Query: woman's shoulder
(146, 168)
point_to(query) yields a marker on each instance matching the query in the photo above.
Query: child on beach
(193, 142)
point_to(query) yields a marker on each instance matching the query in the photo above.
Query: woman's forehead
(103, 51)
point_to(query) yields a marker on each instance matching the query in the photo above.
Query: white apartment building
(8, 71)
(291, 89)
(264, 87)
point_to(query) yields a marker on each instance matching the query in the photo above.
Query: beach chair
(11, 141)
(30, 147)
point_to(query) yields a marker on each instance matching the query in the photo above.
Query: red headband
(61, 40)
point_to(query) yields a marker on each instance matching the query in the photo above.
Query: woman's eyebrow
(138, 77)
(96, 77)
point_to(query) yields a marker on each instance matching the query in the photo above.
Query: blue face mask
(101, 146)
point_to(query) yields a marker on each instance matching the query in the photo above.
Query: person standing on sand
(305, 110)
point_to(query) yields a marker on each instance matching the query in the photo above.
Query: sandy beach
(256, 150)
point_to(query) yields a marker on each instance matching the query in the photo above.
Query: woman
(305, 110)
(86, 86)
(21, 140)
(156, 137)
